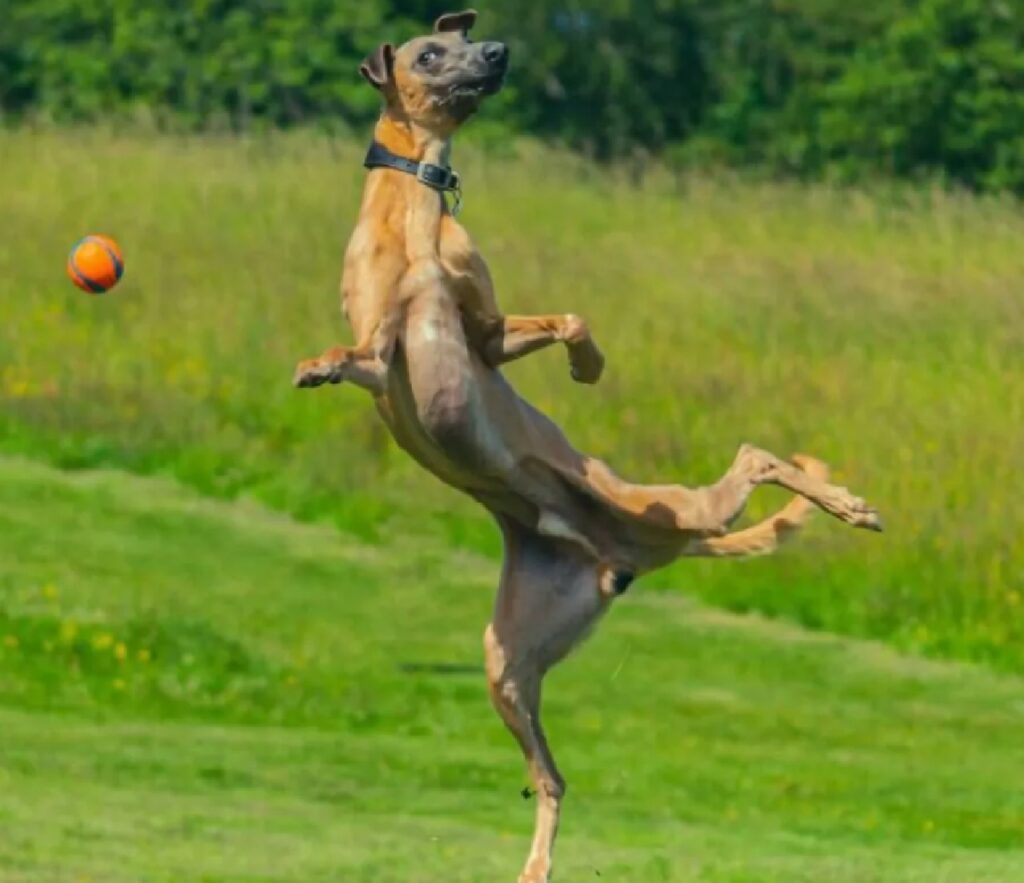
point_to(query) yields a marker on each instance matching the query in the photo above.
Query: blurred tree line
(915, 88)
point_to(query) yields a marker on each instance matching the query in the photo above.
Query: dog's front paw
(586, 362)
(310, 373)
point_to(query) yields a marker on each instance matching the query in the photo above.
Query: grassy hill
(258, 657)
(203, 691)
(880, 331)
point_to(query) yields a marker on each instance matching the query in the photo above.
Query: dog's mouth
(476, 88)
(492, 84)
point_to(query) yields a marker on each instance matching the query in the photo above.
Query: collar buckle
(437, 177)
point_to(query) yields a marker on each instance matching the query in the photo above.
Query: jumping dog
(430, 340)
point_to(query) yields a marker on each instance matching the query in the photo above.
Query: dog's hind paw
(869, 519)
(853, 510)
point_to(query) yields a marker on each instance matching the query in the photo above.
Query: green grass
(203, 691)
(880, 331)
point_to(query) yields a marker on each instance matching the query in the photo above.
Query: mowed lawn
(203, 691)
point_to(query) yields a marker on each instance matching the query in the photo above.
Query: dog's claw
(309, 374)
(583, 377)
(855, 511)
(872, 521)
(865, 516)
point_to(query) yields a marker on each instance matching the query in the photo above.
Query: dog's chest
(468, 280)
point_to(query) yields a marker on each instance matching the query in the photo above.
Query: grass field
(203, 691)
(882, 332)
(240, 632)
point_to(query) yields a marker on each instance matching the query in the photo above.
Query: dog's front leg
(362, 366)
(518, 336)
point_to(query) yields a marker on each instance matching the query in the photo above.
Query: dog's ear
(455, 21)
(377, 66)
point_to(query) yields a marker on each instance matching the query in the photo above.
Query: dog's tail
(766, 536)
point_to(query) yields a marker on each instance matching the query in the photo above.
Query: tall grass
(883, 332)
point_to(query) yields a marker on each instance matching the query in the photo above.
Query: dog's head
(438, 81)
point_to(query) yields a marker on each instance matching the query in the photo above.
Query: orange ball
(95, 264)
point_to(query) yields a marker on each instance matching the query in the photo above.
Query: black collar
(439, 178)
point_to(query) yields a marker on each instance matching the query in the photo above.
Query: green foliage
(607, 76)
(855, 90)
(770, 62)
(942, 92)
(284, 61)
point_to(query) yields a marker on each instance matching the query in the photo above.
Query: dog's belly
(463, 422)
(435, 406)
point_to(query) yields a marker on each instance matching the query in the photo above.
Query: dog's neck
(406, 139)
(423, 206)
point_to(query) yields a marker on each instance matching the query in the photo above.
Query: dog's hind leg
(550, 596)
(712, 509)
(515, 692)
(760, 467)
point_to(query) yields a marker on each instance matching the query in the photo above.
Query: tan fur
(429, 341)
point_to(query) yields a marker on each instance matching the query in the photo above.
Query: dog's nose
(495, 52)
